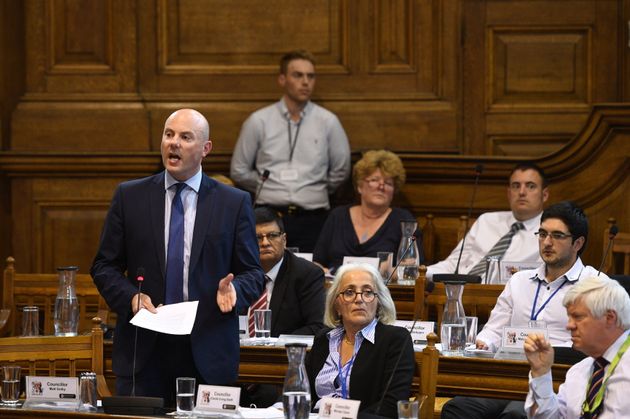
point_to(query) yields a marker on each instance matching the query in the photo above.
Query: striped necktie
(599, 370)
(498, 250)
(260, 304)
(175, 257)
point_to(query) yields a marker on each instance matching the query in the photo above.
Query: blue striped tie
(599, 370)
(175, 257)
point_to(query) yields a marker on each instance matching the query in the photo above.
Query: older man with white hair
(597, 387)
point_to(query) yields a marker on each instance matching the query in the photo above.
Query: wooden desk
(8, 413)
(478, 377)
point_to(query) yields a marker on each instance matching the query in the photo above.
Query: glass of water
(185, 392)
(10, 384)
(471, 330)
(453, 337)
(262, 326)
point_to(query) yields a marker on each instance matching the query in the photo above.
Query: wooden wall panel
(537, 66)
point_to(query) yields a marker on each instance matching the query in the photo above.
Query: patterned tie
(497, 250)
(260, 304)
(599, 370)
(175, 257)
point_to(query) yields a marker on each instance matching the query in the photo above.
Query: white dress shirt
(515, 304)
(568, 402)
(319, 164)
(484, 234)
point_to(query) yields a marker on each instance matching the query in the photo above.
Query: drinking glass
(10, 384)
(185, 393)
(453, 337)
(385, 260)
(262, 325)
(30, 321)
(408, 409)
(471, 330)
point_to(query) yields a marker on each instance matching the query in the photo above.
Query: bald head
(198, 122)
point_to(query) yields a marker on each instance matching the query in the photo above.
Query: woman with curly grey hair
(372, 225)
(356, 355)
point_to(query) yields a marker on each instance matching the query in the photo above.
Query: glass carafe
(408, 257)
(66, 305)
(296, 392)
(453, 331)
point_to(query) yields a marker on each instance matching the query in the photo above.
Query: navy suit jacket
(224, 242)
(297, 300)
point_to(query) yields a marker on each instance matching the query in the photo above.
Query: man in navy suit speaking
(192, 239)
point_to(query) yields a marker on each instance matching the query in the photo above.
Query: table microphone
(456, 276)
(611, 237)
(133, 405)
(263, 179)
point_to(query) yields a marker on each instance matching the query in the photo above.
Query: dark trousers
(482, 408)
(172, 357)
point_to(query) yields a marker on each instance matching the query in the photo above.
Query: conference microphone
(456, 276)
(139, 279)
(263, 179)
(132, 405)
(611, 237)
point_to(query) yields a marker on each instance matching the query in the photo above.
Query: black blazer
(297, 300)
(372, 369)
(224, 241)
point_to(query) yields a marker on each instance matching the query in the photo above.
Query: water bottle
(66, 305)
(408, 257)
(296, 392)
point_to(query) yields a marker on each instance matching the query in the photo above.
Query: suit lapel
(205, 206)
(280, 286)
(156, 210)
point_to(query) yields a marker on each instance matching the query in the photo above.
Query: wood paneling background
(87, 84)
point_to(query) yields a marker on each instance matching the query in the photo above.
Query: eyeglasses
(350, 295)
(375, 182)
(270, 236)
(555, 235)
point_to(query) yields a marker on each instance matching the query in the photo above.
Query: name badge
(217, 398)
(514, 337)
(337, 408)
(288, 174)
(361, 259)
(420, 330)
(52, 387)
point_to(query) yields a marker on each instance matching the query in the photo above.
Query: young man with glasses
(534, 295)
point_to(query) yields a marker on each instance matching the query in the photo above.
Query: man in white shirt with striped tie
(506, 234)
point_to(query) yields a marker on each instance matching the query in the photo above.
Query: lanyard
(344, 376)
(292, 142)
(600, 393)
(535, 313)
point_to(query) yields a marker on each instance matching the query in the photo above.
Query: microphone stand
(456, 277)
(611, 237)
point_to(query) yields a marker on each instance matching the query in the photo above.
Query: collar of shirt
(532, 224)
(193, 182)
(367, 333)
(614, 348)
(273, 272)
(572, 274)
(285, 111)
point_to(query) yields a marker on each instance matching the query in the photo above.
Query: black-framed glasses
(350, 295)
(555, 235)
(270, 236)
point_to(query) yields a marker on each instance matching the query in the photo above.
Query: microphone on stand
(611, 237)
(133, 405)
(263, 179)
(456, 276)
